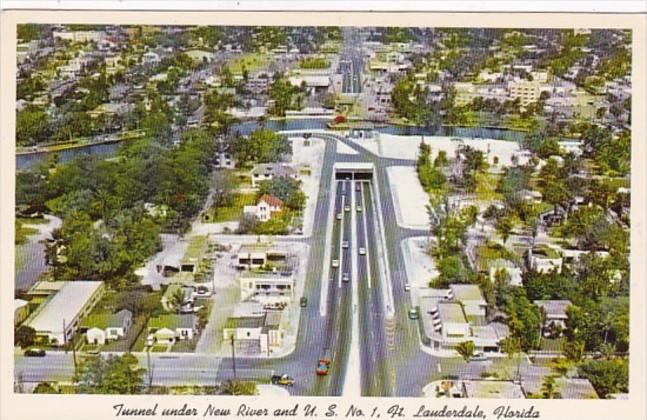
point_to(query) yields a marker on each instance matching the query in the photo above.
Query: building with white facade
(267, 287)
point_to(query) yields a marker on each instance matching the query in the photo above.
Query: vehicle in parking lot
(35, 352)
(282, 380)
(362, 251)
(335, 263)
(413, 313)
(344, 244)
(303, 302)
(345, 278)
(478, 357)
(323, 366)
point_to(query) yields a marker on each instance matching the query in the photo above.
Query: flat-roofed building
(491, 389)
(267, 287)
(255, 333)
(470, 296)
(57, 319)
(258, 255)
(525, 90)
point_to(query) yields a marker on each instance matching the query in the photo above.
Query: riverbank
(76, 144)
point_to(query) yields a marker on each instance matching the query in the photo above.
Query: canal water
(27, 161)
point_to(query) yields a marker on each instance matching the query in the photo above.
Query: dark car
(304, 302)
(35, 353)
(282, 380)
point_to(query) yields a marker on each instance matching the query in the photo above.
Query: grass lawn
(251, 61)
(233, 212)
(490, 252)
(552, 344)
(159, 348)
(486, 187)
(184, 346)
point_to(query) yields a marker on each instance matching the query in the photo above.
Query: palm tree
(177, 299)
(549, 387)
(466, 350)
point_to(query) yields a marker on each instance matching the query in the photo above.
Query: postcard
(297, 215)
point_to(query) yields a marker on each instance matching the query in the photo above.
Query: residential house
(267, 205)
(169, 328)
(513, 270)
(543, 259)
(254, 333)
(101, 328)
(268, 171)
(66, 303)
(554, 313)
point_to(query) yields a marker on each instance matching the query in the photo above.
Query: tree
(573, 350)
(512, 347)
(606, 376)
(111, 375)
(177, 299)
(24, 336)
(549, 387)
(504, 227)
(466, 350)
(45, 388)
(248, 223)
(236, 387)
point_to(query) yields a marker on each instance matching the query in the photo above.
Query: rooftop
(553, 308)
(451, 312)
(172, 321)
(107, 320)
(465, 292)
(64, 306)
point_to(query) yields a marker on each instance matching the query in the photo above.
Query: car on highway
(338, 216)
(282, 380)
(414, 314)
(346, 208)
(362, 251)
(35, 353)
(335, 263)
(407, 287)
(359, 209)
(303, 302)
(345, 278)
(344, 244)
(357, 188)
(323, 366)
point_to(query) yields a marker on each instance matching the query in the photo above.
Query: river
(27, 161)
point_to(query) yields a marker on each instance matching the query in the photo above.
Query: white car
(338, 216)
(345, 278)
(359, 209)
(347, 208)
(407, 287)
(362, 251)
(335, 263)
(344, 244)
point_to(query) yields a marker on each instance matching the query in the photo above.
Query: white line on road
(341, 240)
(366, 240)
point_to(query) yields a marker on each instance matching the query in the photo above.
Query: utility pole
(233, 355)
(149, 368)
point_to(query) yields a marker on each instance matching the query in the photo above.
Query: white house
(107, 327)
(514, 271)
(266, 206)
(255, 334)
(167, 329)
(543, 259)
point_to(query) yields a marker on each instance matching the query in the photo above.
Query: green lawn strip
(232, 213)
(251, 61)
